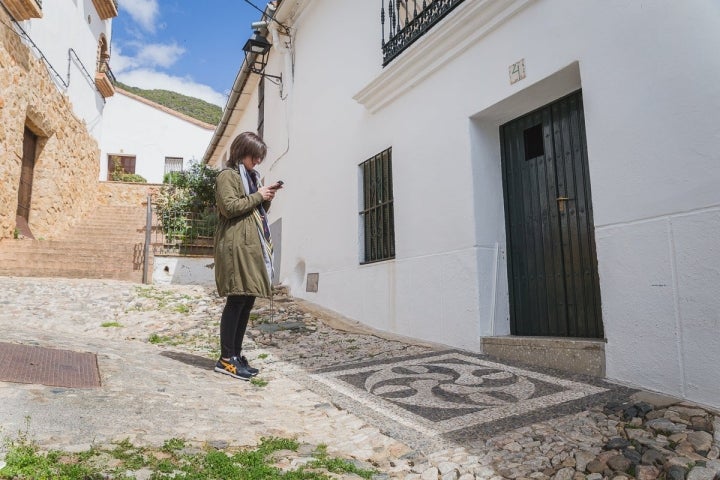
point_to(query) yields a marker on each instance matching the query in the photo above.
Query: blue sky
(192, 47)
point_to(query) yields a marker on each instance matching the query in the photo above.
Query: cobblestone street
(408, 410)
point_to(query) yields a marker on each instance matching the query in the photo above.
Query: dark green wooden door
(552, 264)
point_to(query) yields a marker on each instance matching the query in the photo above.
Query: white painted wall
(652, 112)
(64, 26)
(136, 128)
(171, 270)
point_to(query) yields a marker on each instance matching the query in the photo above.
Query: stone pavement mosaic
(456, 396)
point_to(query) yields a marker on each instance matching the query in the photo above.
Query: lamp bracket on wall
(262, 73)
(256, 52)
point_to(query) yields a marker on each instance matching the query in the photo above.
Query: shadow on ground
(190, 359)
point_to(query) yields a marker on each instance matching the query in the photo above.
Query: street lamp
(258, 46)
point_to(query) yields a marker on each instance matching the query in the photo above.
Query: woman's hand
(267, 193)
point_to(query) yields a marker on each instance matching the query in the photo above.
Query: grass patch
(182, 308)
(258, 382)
(262, 356)
(336, 465)
(111, 324)
(163, 299)
(24, 460)
(173, 445)
(157, 339)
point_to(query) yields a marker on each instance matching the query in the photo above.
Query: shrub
(186, 206)
(131, 177)
(119, 175)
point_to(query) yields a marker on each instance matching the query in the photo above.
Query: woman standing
(243, 250)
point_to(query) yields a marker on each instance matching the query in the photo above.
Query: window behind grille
(173, 164)
(377, 218)
(121, 163)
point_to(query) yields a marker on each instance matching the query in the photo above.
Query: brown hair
(247, 144)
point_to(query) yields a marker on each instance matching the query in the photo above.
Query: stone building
(54, 78)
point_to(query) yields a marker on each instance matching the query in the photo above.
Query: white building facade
(156, 139)
(545, 170)
(74, 38)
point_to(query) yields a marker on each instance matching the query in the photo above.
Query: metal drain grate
(48, 366)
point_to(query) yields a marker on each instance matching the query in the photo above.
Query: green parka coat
(239, 264)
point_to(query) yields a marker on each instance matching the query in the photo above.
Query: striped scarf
(251, 182)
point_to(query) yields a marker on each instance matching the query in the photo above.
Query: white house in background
(149, 139)
(536, 179)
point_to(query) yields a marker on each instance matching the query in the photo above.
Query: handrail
(88, 77)
(148, 238)
(25, 35)
(105, 68)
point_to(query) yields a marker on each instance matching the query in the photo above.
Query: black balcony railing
(104, 67)
(404, 21)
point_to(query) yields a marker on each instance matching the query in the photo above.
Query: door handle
(561, 203)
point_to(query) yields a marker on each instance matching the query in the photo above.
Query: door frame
(541, 112)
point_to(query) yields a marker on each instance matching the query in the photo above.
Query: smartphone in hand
(277, 185)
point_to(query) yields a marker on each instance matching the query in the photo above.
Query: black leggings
(233, 324)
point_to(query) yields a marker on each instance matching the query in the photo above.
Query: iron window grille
(120, 164)
(408, 20)
(173, 164)
(377, 217)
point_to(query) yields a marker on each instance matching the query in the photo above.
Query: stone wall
(126, 194)
(65, 181)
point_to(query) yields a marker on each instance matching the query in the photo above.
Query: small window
(534, 146)
(173, 164)
(377, 217)
(119, 164)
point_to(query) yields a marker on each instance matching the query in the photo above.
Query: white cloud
(139, 64)
(159, 55)
(151, 79)
(119, 62)
(144, 12)
(147, 55)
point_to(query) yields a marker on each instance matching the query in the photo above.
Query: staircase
(108, 243)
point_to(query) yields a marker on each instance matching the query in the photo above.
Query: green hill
(190, 106)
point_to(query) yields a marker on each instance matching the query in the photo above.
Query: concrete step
(574, 355)
(106, 243)
(50, 246)
(133, 276)
(57, 258)
(105, 238)
(74, 267)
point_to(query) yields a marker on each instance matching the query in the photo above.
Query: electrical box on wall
(311, 285)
